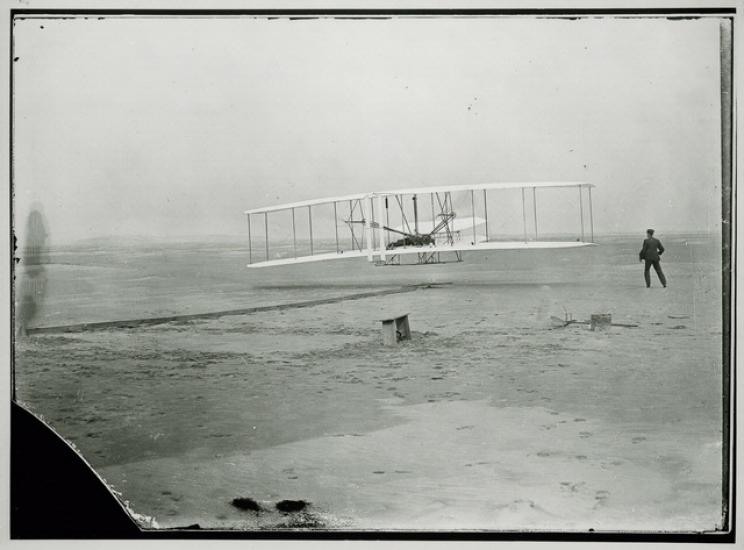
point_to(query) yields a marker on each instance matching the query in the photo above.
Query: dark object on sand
(246, 504)
(395, 329)
(601, 321)
(291, 505)
(561, 323)
(54, 493)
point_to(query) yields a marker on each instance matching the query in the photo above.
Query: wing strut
(294, 234)
(381, 240)
(335, 221)
(266, 225)
(433, 219)
(581, 213)
(387, 213)
(524, 216)
(372, 221)
(367, 211)
(415, 216)
(591, 217)
(310, 224)
(485, 212)
(472, 206)
(250, 248)
(351, 227)
(403, 213)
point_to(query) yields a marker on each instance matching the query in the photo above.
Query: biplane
(427, 225)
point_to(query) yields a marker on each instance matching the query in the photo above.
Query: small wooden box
(395, 330)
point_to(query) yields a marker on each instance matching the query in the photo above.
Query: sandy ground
(489, 418)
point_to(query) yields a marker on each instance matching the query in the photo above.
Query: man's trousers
(657, 268)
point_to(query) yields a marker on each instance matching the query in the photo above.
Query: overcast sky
(174, 126)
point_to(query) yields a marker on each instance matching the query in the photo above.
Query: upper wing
(485, 186)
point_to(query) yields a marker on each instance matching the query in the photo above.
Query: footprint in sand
(573, 487)
(519, 505)
(601, 497)
(638, 439)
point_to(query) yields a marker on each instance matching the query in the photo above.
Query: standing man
(651, 253)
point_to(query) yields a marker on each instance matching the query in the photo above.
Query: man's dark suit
(651, 253)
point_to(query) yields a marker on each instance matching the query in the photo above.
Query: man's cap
(650, 231)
